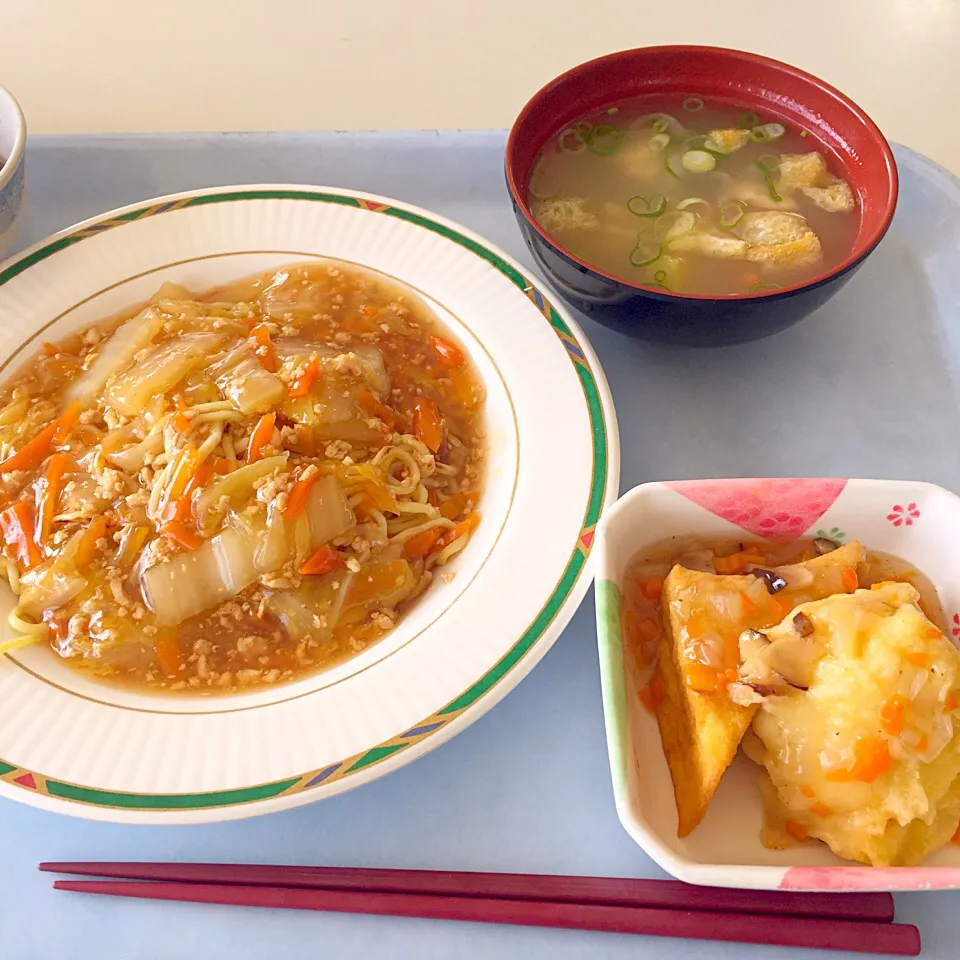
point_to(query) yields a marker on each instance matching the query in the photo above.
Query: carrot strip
(169, 655)
(87, 548)
(260, 437)
(951, 703)
(460, 530)
(17, 524)
(50, 349)
(653, 588)
(452, 507)
(179, 532)
(377, 409)
(182, 476)
(380, 497)
(307, 378)
(299, 494)
(919, 659)
(420, 544)
(181, 422)
(67, 421)
(448, 353)
(426, 424)
(264, 348)
(48, 494)
(871, 759)
(796, 830)
(325, 560)
(849, 580)
(31, 454)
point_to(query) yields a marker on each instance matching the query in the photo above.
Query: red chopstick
(598, 891)
(861, 937)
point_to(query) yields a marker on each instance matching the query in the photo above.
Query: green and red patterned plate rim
(918, 522)
(74, 745)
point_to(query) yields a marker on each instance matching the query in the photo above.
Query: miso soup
(690, 196)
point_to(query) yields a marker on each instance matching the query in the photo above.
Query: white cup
(13, 141)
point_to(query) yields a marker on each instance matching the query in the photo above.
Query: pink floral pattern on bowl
(904, 515)
(781, 509)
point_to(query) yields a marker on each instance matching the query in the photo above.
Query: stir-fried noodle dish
(222, 490)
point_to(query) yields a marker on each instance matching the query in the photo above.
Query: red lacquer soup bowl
(855, 148)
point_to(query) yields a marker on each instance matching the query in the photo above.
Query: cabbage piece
(243, 381)
(162, 369)
(170, 291)
(236, 486)
(52, 583)
(325, 516)
(115, 354)
(191, 582)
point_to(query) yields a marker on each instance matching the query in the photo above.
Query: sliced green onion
(693, 201)
(767, 132)
(661, 125)
(731, 213)
(647, 206)
(613, 111)
(583, 128)
(748, 120)
(693, 104)
(645, 252)
(571, 141)
(660, 276)
(539, 188)
(768, 180)
(660, 142)
(605, 139)
(761, 285)
(671, 163)
(695, 142)
(698, 161)
(675, 224)
(770, 160)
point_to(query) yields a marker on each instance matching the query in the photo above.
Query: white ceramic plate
(918, 522)
(74, 745)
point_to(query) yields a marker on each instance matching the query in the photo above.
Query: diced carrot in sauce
(448, 353)
(919, 659)
(50, 349)
(703, 679)
(892, 713)
(849, 579)
(738, 562)
(748, 605)
(651, 696)
(264, 347)
(956, 837)
(420, 544)
(307, 378)
(464, 387)
(871, 760)
(260, 437)
(169, 655)
(951, 703)
(325, 560)
(32, 453)
(807, 792)
(653, 588)
(934, 634)
(371, 313)
(796, 830)
(820, 809)
(923, 743)
(426, 424)
(18, 523)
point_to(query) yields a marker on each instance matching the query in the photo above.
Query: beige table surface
(191, 65)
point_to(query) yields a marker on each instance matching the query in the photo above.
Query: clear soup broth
(694, 196)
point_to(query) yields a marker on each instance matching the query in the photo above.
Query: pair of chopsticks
(860, 922)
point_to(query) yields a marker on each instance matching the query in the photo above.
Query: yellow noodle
(451, 549)
(34, 630)
(13, 575)
(420, 527)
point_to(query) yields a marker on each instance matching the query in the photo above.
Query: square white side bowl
(918, 522)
